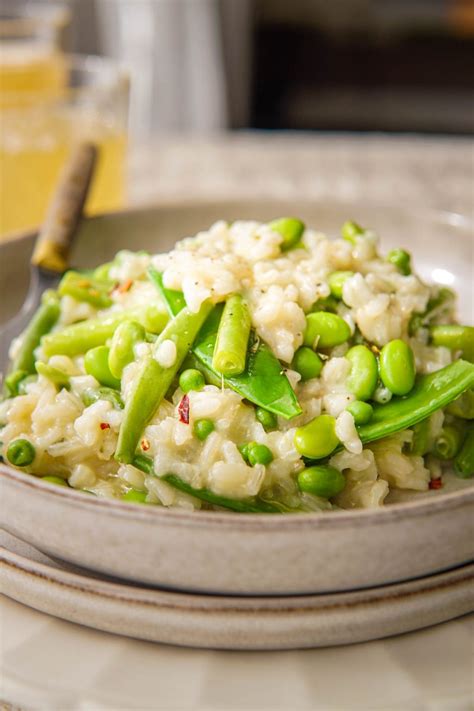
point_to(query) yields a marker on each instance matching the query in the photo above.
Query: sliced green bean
(291, 229)
(124, 340)
(12, 382)
(464, 461)
(449, 442)
(41, 323)
(230, 352)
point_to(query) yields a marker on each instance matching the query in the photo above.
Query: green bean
(397, 367)
(463, 407)
(41, 323)
(230, 352)
(401, 260)
(291, 229)
(361, 411)
(422, 439)
(55, 375)
(259, 454)
(336, 281)
(321, 480)
(458, 338)
(325, 330)
(317, 439)
(55, 480)
(191, 379)
(12, 382)
(464, 461)
(307, 363)
(203, 428)
(96, 363)
(20, 452)
(91, 395)
(267, 419)
(84, 288)
(134, 496)
(449, 442)
(351, 230)
(363, 377)
(152, 380)
(125, 338)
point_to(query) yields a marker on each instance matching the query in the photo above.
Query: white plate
(228, 553)
(231, 622)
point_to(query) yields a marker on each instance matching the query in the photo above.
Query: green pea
(325, 330)
(244, 451)
(259, 454)
(362, 379)
(317, 439)
(351, 230)
(307, 363)
(291, 229)
(96, 363)
(203, 428)
(20, 452)
(135, 497)
(191, 379)
(266, 418)
(55, 480)
(322, 480)
(401, 260)
(397, 367)
(126, 336)
(361, 411)
(336, 281)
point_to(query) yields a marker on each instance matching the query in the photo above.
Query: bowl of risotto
(252, 403)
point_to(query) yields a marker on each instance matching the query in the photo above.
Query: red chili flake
(123, 288)
(104, 426)
(114, 288)
(183, 410)
(435, 484)
(145, 445)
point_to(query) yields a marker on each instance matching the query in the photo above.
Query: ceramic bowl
(416, 535)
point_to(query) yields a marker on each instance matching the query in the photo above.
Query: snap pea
(401, 259)
(361, 411)
(96, 363)
(463, 406)
(397, 367)
(317, 439)
(351, 230)
(267, 419)
(174, 300)
(336, 281)
(363, 377)
(125, 338)
(91, 395)
(41, 323)
(458, 338)
(55, 480)
(84, 288)
(431, 392)
(20, 452)
(203, 428)
(321, 480)
(449, 442)
(56, 376)
(152, 380)
(290, 228)
(191, 379)
(307, 363)
(464, 461)
(325, 330)
(145, 464)
(230, 351)
(263, 382)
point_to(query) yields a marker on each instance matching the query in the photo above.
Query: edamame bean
(317, 439)
(401, 260)
(266, 418)
(361, 411)
(397, 367)
(291, 229)
(134, 496)
(191, 379)
(96, 363)
(259, 454)
(203, 428)
(362, 379)
(121, 353)
(322, 480)
(336, 281)
(20, 452)
(307, 363)
(449, 442)
(351, 230)
(325, 330)
(55, 480)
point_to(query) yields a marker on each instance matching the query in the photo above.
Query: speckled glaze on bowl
(224, 552)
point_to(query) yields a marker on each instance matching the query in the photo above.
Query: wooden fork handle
(54, 240)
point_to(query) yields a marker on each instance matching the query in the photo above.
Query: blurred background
(181, 70)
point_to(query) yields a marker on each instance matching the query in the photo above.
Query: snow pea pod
(41, 323)
(430, 393)
(263, 381)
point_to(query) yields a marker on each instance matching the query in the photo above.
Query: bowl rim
(162, 515)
